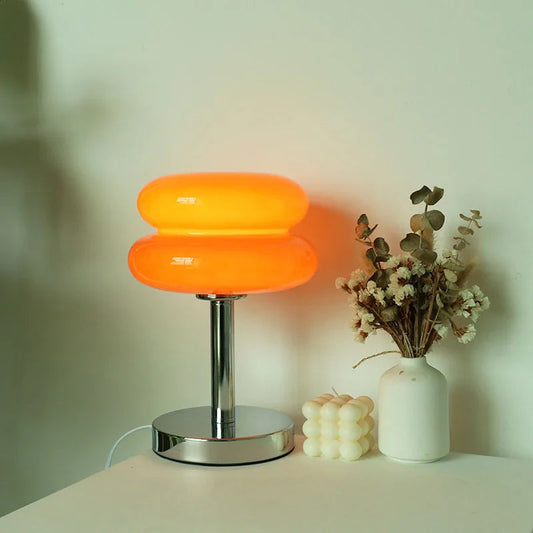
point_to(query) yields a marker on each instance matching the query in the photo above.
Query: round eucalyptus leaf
(426, 256)
(371, 254)
(420, 195)
(410, 242)
(435, 218)
(361, 230)
(434, 196)
(463, 230)
(381, 246)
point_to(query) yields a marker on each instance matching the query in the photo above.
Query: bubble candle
(338, 426)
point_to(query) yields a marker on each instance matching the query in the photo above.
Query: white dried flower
(409, 290)
(355, 324)
(476, 292)
(367, 317)
(441, 329)
(450, 254)
(482, 301)
(418, 268)
(364, 296)
(466, 304)
(367, 328)
(393, 281)
(392, 262)
(340, 283)
(353, 284)
(379, 295)
(466, 334)
(373, 290)
(358, 275)
(357, 279)
(354, 305)
(403, 273)
(401, 293)
(360, 336)
(465, 294)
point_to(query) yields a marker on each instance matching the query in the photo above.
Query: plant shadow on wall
(42, 233)
(38, 196)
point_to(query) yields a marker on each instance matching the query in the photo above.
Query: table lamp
(222, 236)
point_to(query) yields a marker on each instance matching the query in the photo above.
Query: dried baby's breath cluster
(419, 296)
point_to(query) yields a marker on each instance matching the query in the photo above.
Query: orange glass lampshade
(222, 233)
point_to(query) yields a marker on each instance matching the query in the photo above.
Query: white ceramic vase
(413, 412)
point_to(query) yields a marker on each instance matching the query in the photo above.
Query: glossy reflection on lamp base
(188, 436)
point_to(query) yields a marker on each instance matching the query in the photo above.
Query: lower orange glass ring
(222, 265)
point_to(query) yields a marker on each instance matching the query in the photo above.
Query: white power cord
(110, 456)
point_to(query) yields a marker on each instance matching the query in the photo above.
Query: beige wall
(360, 102)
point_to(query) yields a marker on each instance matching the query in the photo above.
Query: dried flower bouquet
(418, 296)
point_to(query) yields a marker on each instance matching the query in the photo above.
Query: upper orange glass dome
(222, 233)
(222, 203)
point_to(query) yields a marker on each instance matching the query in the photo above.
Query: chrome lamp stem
(222, 363)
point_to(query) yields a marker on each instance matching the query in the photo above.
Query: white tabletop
(462, 493)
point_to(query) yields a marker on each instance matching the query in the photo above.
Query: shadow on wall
(38, 198)
(35, 201)
(472, 403)
(65, 335)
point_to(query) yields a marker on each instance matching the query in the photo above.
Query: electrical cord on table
(110, 456)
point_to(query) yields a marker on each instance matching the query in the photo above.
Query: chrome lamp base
(222, 434)
(191, 436)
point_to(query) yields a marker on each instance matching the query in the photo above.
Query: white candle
(338, 426)
(311, 409)
(365, 445)
(330, 448)
(311, 428)
(350, 450)
(329, 429)
(330, 411)
(350, 431)
(312, 447)
(350, 413)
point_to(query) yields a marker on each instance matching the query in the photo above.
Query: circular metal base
(189, 436)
